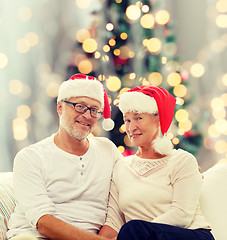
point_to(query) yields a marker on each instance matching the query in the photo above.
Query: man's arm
(108, 232)
(56, 229)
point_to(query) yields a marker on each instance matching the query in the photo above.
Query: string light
(109, 27)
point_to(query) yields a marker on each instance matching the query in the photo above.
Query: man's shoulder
(36, 147)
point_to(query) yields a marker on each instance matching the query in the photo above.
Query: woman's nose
(132, 127)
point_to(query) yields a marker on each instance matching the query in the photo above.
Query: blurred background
(177, 44)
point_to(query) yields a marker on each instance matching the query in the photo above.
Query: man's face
(78, 125)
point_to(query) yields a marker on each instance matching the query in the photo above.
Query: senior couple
(71, 186)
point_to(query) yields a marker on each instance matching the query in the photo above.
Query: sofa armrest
(7, 201)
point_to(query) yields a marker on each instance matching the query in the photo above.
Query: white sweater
(48, 180)
(165, 190)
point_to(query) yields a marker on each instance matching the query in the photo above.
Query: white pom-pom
(108, 124)
(25, 237)
(163, 145)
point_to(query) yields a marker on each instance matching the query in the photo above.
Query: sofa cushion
(7, 201)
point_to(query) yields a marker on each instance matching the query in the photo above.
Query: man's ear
(59, 108)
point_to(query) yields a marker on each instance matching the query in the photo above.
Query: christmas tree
(132, 43)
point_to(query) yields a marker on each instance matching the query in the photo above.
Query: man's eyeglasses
(81, 108)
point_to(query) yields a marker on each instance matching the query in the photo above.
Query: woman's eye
(94, 110)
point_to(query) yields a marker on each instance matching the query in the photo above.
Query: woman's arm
(186, 182)
(115, 218)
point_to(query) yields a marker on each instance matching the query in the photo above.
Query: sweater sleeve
(115, 218)
(31, 194)
(186, 182)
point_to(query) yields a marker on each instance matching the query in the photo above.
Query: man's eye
(79, 106)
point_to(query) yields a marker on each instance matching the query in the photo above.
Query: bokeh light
(85, 66)
(113, 83)
(174, 79)
(109, 26)
(83, 4)
(52, 89)
(185, 125)
(181, 115)
(20, 130)
(82, 35)
(154, 45)
(221, 146)
(90, 45)
(147, 21)
(162, 17)
(3, 60)
(24, 13)
(123, 36)
(197, 70)
(180, 90)
(155, 78)
(23, 112)
(133, 12)
(33, 38)
(15, 86)
(221, 21)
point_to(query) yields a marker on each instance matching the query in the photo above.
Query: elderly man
(62, 183)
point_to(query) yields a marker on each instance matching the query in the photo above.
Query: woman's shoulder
(180, 156)
(180, 153)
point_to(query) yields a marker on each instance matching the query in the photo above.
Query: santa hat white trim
(137, 101)
(81, 88)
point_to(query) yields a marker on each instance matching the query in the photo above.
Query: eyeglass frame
(84, 110)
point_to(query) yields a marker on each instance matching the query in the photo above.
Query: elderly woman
(154, 193)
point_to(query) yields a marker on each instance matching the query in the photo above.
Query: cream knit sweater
(165, 190)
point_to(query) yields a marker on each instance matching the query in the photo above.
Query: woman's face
(142, 128)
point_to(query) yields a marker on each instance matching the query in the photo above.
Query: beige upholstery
(214, 199)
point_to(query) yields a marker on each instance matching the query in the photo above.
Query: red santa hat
(152, 99)
(80, 85)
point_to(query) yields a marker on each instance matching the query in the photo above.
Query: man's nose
(87, 113)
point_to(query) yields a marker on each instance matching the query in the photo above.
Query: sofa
(213, 200)
(7, 201)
